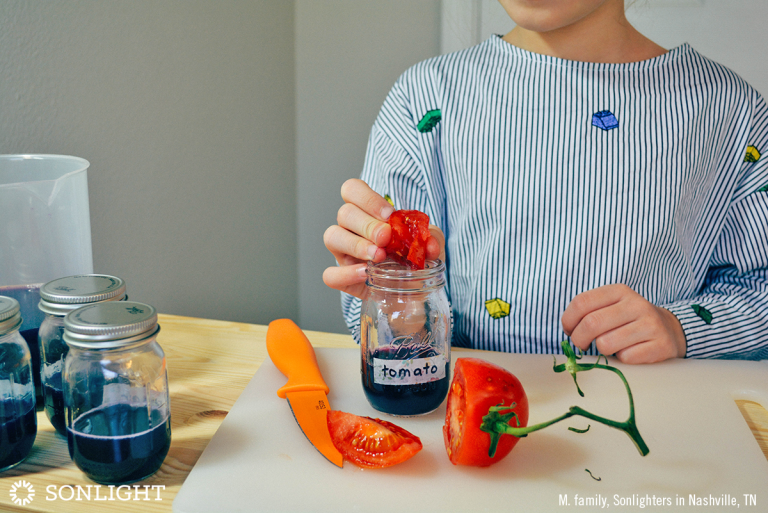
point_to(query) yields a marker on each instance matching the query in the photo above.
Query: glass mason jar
(57, 299)
(18, 418)
(116, 392)
(405, 338)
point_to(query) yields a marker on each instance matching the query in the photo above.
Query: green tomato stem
(496, 424)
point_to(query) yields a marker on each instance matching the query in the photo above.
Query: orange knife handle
(292, 353)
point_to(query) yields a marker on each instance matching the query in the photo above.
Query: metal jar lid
(61, 296)
(10, 315)
(110, 325)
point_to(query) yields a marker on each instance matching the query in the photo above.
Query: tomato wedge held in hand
(371, 443)
(477, 385)
(410, 233)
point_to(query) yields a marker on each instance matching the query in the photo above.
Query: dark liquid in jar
(28, 297)
(102, 443)
(30, 336)
(54, 404)
(17, 435)
(414, 399)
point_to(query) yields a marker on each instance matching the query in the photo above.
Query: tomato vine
(496, 422)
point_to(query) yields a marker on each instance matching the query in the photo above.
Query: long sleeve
(729, 317)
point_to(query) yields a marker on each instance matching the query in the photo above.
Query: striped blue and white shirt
(551, 177)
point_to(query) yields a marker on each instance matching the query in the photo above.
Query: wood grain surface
(209, 364)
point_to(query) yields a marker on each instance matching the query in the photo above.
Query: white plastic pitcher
(45, 230)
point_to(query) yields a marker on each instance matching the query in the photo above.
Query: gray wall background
(219, 132)
(348, 55)
(185, 111)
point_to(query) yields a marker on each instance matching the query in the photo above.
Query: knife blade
(306, 391)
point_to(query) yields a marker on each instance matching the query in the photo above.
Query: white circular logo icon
(26, 495)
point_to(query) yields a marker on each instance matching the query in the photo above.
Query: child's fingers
(637, 331)
(436, 244)
(651, 351)
(348, 278)
(352, 218)
(344, 244)
(358, 193)
(589, 301)
(599, 325)
(583, 318)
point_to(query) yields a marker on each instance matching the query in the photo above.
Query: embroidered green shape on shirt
(389, 200)
(428, 122)
(702, 312)
(764, 188)
(752, 155)
(497, 308)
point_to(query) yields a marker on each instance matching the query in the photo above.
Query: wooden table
(209, 364)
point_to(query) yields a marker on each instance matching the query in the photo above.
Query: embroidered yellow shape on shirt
(389, 200)
(497, 308)
(753, 154)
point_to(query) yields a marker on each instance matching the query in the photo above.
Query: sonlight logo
(22, 493)
(103, 493)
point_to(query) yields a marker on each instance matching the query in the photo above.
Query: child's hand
(361, 235)
(624, 323)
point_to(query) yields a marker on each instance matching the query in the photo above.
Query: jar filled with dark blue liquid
(57, 299)
(18, 418)
(405, 338)
(118, 414)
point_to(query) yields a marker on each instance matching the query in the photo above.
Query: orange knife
(306, 391)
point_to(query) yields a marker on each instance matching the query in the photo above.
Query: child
(582, 182)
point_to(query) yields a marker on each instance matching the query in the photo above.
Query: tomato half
(371, 443)
(477, 385)
(410, 233)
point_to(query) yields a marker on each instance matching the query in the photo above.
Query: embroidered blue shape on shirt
(604, 120)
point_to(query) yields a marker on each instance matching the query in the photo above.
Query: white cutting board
(259, 460)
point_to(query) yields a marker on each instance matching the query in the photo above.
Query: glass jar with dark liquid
(58, 298)
(116, 392)
(18, 418)
(405, 338)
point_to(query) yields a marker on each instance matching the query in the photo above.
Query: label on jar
(408, 372)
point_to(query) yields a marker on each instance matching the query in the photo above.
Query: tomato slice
(476, 386)
(371, 443)
(410, 233)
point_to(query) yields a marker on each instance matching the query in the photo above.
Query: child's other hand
(623, 323)
(361, 235)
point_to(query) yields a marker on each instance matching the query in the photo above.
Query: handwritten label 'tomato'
(408, 372)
